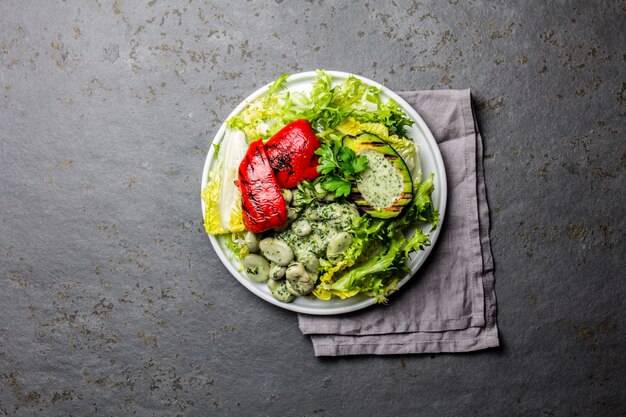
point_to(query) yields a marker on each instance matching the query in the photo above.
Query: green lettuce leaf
(325, 106)
(210, 196)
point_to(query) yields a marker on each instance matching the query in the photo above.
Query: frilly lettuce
(235, 242)
(325, 106)
(210, 196)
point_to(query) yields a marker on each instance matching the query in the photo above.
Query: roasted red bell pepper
(262, 203)
(291, 153)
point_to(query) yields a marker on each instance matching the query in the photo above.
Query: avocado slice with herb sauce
(386, 186)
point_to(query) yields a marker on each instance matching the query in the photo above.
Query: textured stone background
(112, 301)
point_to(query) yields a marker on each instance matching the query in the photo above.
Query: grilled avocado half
(386, 186)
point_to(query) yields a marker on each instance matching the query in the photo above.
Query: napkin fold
(450, 304)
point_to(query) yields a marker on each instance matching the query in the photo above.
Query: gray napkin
(450, 304)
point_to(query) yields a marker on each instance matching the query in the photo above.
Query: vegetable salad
(318, 193)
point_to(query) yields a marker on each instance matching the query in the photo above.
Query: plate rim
(429, 139)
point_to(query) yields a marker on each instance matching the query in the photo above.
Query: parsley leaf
(339, 166)
(340, 186)
(360, 164)
(349, 162)
(327, 160)
(304, 194)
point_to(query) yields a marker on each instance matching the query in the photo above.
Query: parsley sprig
(339, 166)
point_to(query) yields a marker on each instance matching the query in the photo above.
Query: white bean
(337, 246)
(279, 290)
(277, 272)
(276, 251)
(320, 193)
(292, 213)
(309, 261)
(257, 268)
(301, 227)
(298, 281)
(287, 195)
(296, 272)
(252, 242)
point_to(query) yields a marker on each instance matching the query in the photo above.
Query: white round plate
(431, 162)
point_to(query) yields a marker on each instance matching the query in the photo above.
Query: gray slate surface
(112, 301)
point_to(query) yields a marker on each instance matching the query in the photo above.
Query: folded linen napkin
(450, 304)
